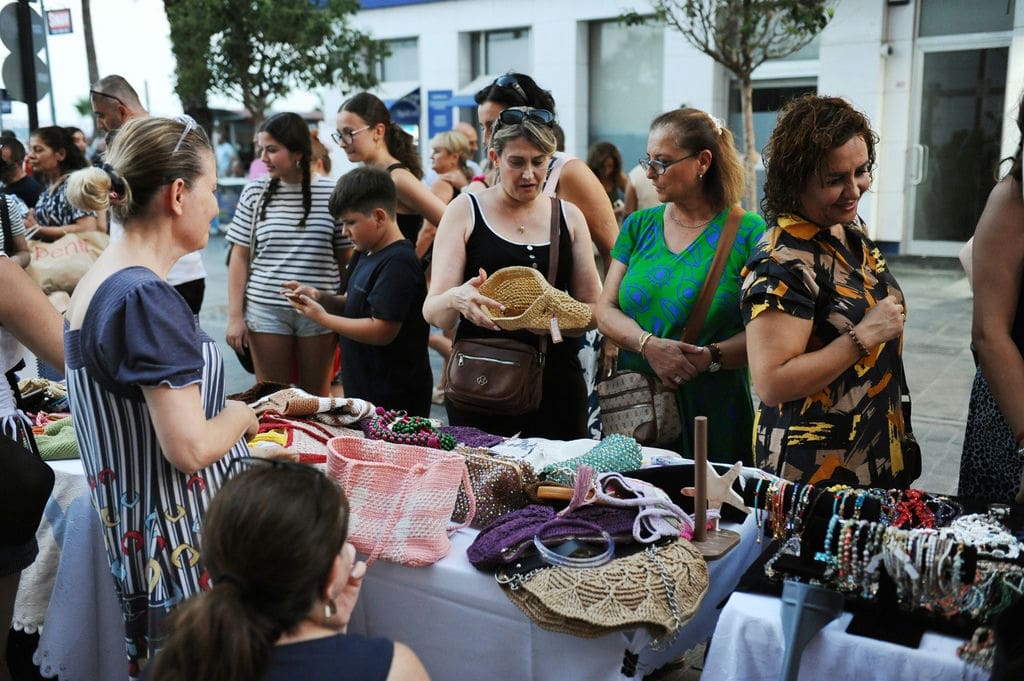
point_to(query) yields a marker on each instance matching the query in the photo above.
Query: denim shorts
(284, 321)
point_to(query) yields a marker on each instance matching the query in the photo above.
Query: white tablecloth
(462, 626)
(749, 645)
(455, 617)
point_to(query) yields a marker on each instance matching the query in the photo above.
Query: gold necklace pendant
(686, 226)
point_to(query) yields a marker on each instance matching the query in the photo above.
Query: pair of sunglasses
(516, 115)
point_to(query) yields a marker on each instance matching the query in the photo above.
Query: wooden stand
(716, 543)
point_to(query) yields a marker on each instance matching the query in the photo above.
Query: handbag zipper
(507, 362)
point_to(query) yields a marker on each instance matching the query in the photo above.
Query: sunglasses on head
(517, 115)
(108, 96)
(513, 84)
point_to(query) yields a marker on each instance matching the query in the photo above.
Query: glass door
(961, 103)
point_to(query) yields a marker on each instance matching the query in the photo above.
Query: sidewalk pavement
(936, 353)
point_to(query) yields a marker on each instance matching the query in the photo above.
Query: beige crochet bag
(531, 302)
(659, 589)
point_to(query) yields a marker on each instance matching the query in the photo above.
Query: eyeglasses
(190, 125)
(108, 96)
(661, 166)
(516, 115)
(347, 136)
(513, 84)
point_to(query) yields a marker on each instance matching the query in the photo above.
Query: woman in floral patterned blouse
(823, 313)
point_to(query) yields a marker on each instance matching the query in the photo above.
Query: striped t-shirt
(284, 250)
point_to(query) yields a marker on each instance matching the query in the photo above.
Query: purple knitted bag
(511, 536)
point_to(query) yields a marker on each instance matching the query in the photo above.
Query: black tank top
(486, 249)
(409, 224)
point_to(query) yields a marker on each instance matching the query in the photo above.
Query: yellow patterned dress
(849, 431)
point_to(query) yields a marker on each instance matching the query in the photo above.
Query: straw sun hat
(531, 302)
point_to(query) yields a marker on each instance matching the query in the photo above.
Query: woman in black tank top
(508, 224)
(368, 135)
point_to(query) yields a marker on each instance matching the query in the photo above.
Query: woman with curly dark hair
(295, 238)
(53, 155)
(823, 313)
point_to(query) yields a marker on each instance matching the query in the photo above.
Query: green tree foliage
(741, 35)
(257, 51)
(191, 28)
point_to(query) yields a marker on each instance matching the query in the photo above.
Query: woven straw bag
(531, 302)
(659, 589)
(401, 497)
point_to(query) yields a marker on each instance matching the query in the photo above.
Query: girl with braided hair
(283, 230)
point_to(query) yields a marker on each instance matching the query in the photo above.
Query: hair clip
(718, 123)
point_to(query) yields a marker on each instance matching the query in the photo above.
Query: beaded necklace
(398, 427)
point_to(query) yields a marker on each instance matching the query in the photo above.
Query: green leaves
(259, 50)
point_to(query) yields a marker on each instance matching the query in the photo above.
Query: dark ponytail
(270, 539)
(400, 144)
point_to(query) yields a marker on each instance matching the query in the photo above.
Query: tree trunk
(751, 158)
(90, 45)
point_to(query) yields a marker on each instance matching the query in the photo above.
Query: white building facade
(939, 79)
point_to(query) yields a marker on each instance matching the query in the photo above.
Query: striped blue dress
(139, 331)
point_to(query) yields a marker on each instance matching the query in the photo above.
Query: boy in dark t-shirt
(379, 317)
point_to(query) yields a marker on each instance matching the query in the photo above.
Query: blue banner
(439, 111)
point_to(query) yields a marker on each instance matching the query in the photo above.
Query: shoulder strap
(695, 322)
(396, 166)
(5, 217)
(255, 219)
(556, 214)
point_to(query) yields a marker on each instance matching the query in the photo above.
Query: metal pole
(46, 50)
(28, 62)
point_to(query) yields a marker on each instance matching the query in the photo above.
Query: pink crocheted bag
(401, 497)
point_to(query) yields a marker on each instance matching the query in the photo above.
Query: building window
(402, 63)
(624, 59)
(955, 17)
(495, 52)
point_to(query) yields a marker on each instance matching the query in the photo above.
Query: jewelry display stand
(715, 543)
(806, 609)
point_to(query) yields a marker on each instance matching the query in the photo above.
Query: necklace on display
(686, 226)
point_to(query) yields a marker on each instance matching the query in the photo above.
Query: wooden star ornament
(719, 488)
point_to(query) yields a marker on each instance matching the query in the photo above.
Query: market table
(455, 617)
(749, 645)
(462, 626)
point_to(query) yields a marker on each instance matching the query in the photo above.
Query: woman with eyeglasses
(278, 610)
(145, 383)
(283, 231)
(509, 224)
(658, 268)
(53, 155)
(824, 314)
(367, 134)
(567, 177)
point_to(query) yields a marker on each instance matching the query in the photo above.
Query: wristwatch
(716, 357)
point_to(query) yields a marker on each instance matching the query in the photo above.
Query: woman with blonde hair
(449, 152)
(659, 264)
(145, 383)
(505, 225)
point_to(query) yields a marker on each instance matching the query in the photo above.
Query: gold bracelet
(644, 337)
(856, 340)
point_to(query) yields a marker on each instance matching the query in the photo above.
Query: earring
(700, 176)
(330, 610)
